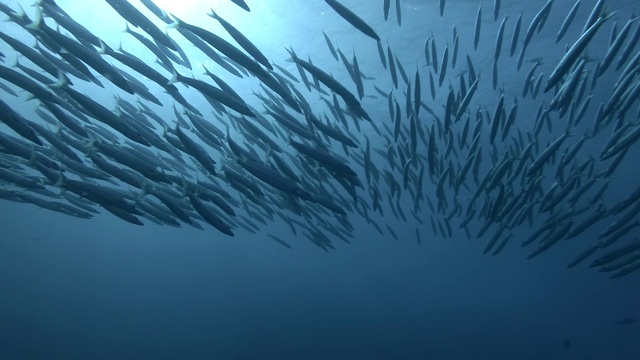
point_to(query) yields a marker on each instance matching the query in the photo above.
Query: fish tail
(175, 78)
(606, 14)
(60, 182)
(293, 57)
(176, 24)
(37, 22)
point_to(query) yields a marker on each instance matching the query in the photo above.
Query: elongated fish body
(386, 6)
(87, 56)
(209, 51)
(332, 49)
(572, 55)
(223, 97)
(156, 10)
(197, 151)
(334, 133)
(17, 123)
(135, 17)
(400, 68)
(280, 241)
(528, 78)
(79, 31)
(127, 177)
(594, 15)
(209, 216)
(476, 33)
(353, 19)
(454, 55)
(155, 49)
(242, 4)
(499, 38)
(107, 117)
(246, 44)
(535, 23)
(515, 36)
(329, 81)
(28, 84)
(392, 68)
(444, 63)
(357, 77)
(222, 45)
(546, 154)
(33, 55)
(567, 21)
(614, 48)
(128, 159)
(273, 178)
(467, 99)
(324, 158)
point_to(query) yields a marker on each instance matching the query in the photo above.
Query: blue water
(105, 289)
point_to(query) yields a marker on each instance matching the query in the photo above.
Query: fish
(280, 241)
(614, 48)
(515, 36)
(546, 154)
(135, 17)
(353, 19)
(443, 63)
(572, 55)
(166, 159)
(242, 4)
(331, 83)
(478, 26)
(499, 38)
(230, 100)
(567, 21)
(209, 216)
(332, 49)
(242, 40)
(386, 6)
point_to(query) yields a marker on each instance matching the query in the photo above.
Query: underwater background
(102, 288)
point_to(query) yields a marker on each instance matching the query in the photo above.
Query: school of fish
(448, 157)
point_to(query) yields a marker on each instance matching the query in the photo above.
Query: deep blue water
(105, 289)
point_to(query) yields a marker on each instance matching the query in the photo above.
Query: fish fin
(91, 145)
(21, 13)
(176, 24)
(206, 71)
(37, 22)
(141, 194)
(293, 57)
(105, 49)
(175, 78)
(60, 182)
(606, 15)
(187, 188)
(62, 81)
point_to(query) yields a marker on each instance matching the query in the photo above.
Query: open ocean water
(411, 283)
